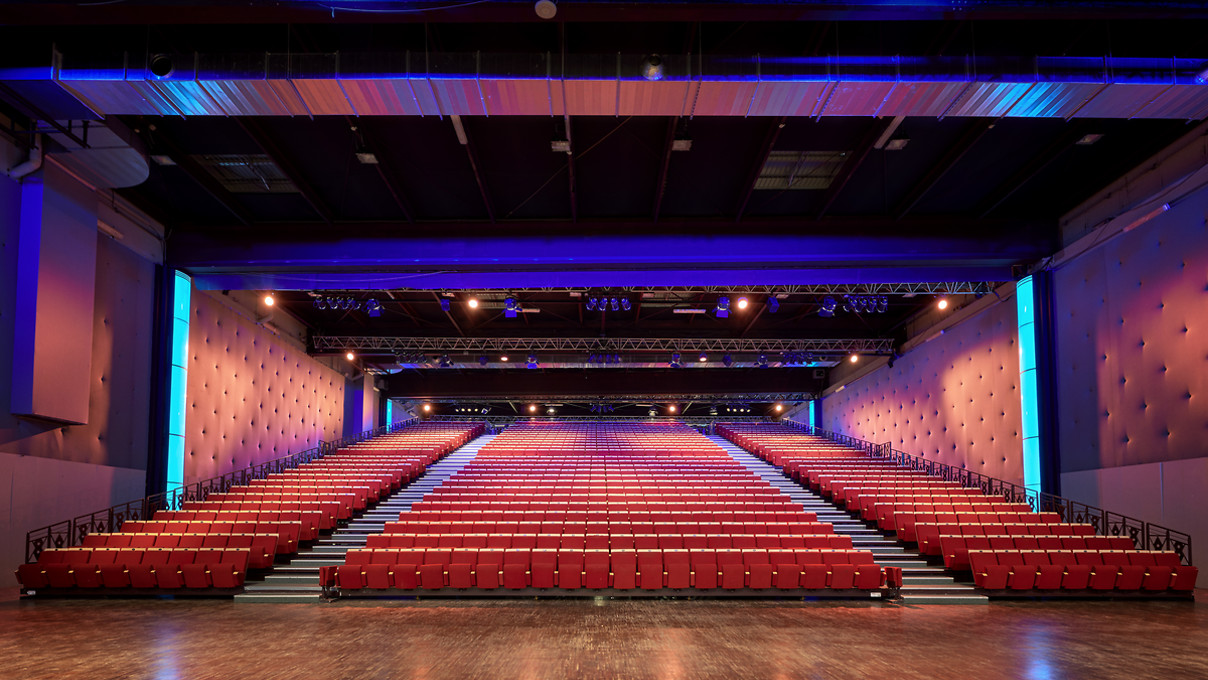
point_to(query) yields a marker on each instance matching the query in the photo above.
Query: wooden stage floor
(197, 639)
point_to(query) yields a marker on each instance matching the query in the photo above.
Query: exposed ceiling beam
(769, 142)
(390, 345)
(968, 139)
(162, 143)
(1018, 179)
(463, 136)
(255, 130)
(450, 316)
(661, 186)
(866, 144)
(384, 168)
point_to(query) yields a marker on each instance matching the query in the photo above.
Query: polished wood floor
(191, 640)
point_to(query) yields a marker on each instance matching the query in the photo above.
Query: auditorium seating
(561, 507)
(210, 544)
(1006, 546)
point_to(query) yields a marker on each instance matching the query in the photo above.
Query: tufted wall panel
(954, 399)
(252, 396)
(1132, 345)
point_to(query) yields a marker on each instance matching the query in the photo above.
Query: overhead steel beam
(385, 171)
(867, 143)
(1018, 179)
(968, 139)
(765, 150)
(389, 345)
(920, 288)
(209, 183)
(275, 153)
(660, 187)
(451, 319)
(463, 136)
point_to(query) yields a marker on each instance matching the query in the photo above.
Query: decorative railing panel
(1145, 535)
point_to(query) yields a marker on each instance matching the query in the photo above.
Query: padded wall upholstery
(120, 383)
(1132, 345)
(252, 396)
(954, 399)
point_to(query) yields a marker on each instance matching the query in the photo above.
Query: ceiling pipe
(30, 166)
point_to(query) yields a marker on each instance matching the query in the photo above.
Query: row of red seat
(272, 516)
(1080, 570)
(599, 569)
(149, 568)
(680, 501)
(609, 542)
(958, 523)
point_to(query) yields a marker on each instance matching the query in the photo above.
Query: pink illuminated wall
(954, 399)
(253, 396)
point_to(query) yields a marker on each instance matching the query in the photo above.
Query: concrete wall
(253, 395)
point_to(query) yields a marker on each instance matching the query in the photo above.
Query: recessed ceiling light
(896, 144)
(1087, 140)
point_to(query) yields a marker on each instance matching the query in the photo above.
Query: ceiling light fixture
(652, 67)
(350, 356)
(268, 300)
(546, 9)
(723, 308)
(942, 304)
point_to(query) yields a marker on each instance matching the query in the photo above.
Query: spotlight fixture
(651, 413)
(614, 304)
(778, 408)
(532, 408)
(723, 308)
(161, 66)
(675, 360)
(373, 308)
(483, 360)
(703, 357)
(444, 305)
(350, 356)
(591, 304)
(828, 306)
(743, 302)
(942, 304)
(445, 362)
(268, 300)
(625, 304)
(773, 305)
(882, 304)
(671, 408)
(652, 67)
(727, 360)
(550, 411)
(761, 361)
(427, 408)
(546, 9)
(510, 308)
(473, 303)
(854, 358)
(532, 361)
(504, 358)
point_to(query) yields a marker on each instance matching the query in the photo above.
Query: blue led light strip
(389, 412)
(1025, 298)
(813, 420)
(178, 379)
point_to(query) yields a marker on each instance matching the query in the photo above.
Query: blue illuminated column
(389, 412)
(178, 379)
(1029, 394)
(813, 414)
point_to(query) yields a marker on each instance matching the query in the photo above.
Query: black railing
(1147, 535)
(71, 532)
(687, 420)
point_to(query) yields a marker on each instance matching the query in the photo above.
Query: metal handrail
(71, 532)
(1147, 534)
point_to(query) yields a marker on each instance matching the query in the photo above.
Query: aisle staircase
(298, 579)
(922, 583)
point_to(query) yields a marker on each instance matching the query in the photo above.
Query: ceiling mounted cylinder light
(350, 356)
(427, 408)
(473, 303)
(268, 300)
(532, 408)
(773, 305)
(828, 306)
(743, 302)
(854, 358)
(942, 304)
(652, 67)
(546, 9)
(532, 361)
(703, 357)
(727, 360)
(723, 308)
(675, 360)
(161, 66)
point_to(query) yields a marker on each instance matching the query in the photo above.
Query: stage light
(268, 300)
(473, 303)
(773, 305)
(882, 304)
(854, 358)
(625, 304)
(504, 358)
(532, 408)
(723, 308)
(652, 67)
(161, 66)
(828, 306)
(445, 362)
(671, 408)
(591, 304)
(675, 360)
(651, 413)
(727, 360)
(320, 303)
(743, 302)
(350, 356)
(510, 308)
(427, 408)
(483, 360)
(761, 361)
(779, 408)
(703, 357)
(532, 361)
(444, 305)
(373, 308)
(942, 304)
(550, 411)
(615, 304)
(546, 9)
